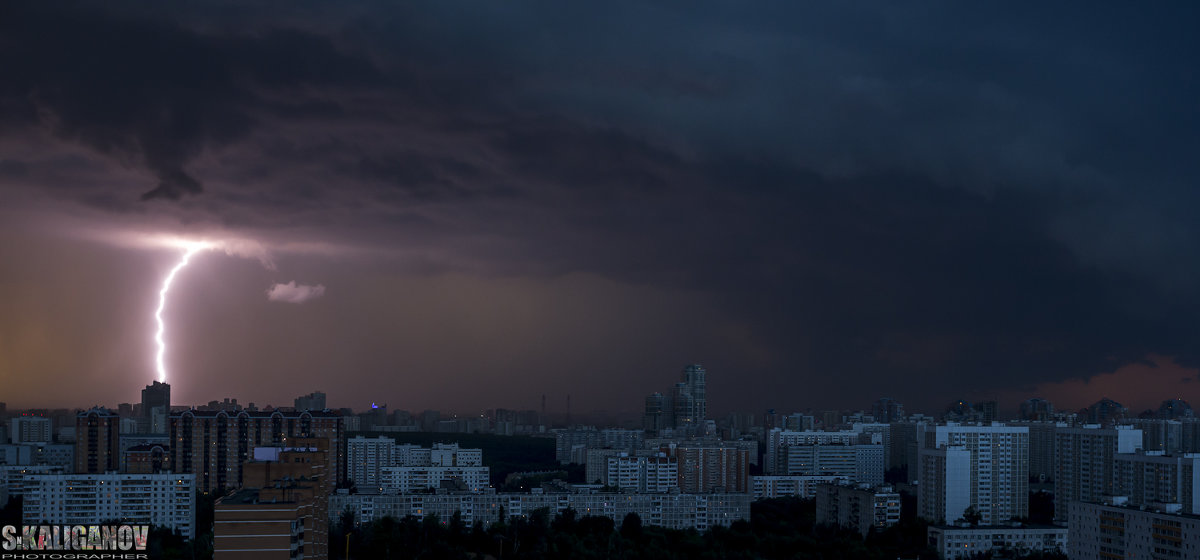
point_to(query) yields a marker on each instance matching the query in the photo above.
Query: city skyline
(460, 206)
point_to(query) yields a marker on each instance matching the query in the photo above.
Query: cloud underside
(295, 293)
(958, 198)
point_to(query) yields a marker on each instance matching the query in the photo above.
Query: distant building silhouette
(1106, 411)
(311, 401)
(1175, 409)
(1037, 410)
(886, 410)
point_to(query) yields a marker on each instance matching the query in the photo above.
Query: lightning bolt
(162, 303)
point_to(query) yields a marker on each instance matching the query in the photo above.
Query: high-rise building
(156, 395)
(971, 466)
(711, 468)
(1037, 410)
(694, 378)
(658, 413)
(366, 456)
(857, 455)
(886, 410)
(1114, 529)
(1041, 449)
(97, 441)
(282, 511)
(683, 407)
(659, 473)
(214, 445)
(311, 401)
(155, 408)
(1175, 408)
(418, 469)
(1152, 477)
(1085, 462)
(1106, 411)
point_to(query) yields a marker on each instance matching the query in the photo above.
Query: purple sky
(465, 205)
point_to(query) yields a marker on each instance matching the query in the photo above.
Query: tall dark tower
(156, 407)
(694, 378)
(156, 395)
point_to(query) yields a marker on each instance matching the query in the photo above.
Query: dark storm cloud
(952, 196)
(155, 94)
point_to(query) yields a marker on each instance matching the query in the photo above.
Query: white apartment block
(1153, 477)
(366, 459)
(449, 455)
(365, 456)
(953, 542)
(1113, 530)
(1084, 462)
(12, 478)
(30, 429)
(857, 462)
(413, 479)
(166, 500)
(985, 467)
(674, 511)
(643, 474)
(782, 486)
(779, 440)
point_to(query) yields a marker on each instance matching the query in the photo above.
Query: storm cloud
(830, 203)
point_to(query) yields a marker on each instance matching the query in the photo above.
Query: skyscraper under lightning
(156, 407)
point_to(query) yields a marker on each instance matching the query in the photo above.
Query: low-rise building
(860, 508)
(670, 510)
(774, 486)
(955, 541)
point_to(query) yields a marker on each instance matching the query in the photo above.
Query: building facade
(954, 541)
(860, 508)
(98, 441)
(1085, 462)
(659, 473)
(1104, 531)
(974, 466)
(1152, 477)
(30, 429)
(165, 500)
(214, 445)
(674, 511)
